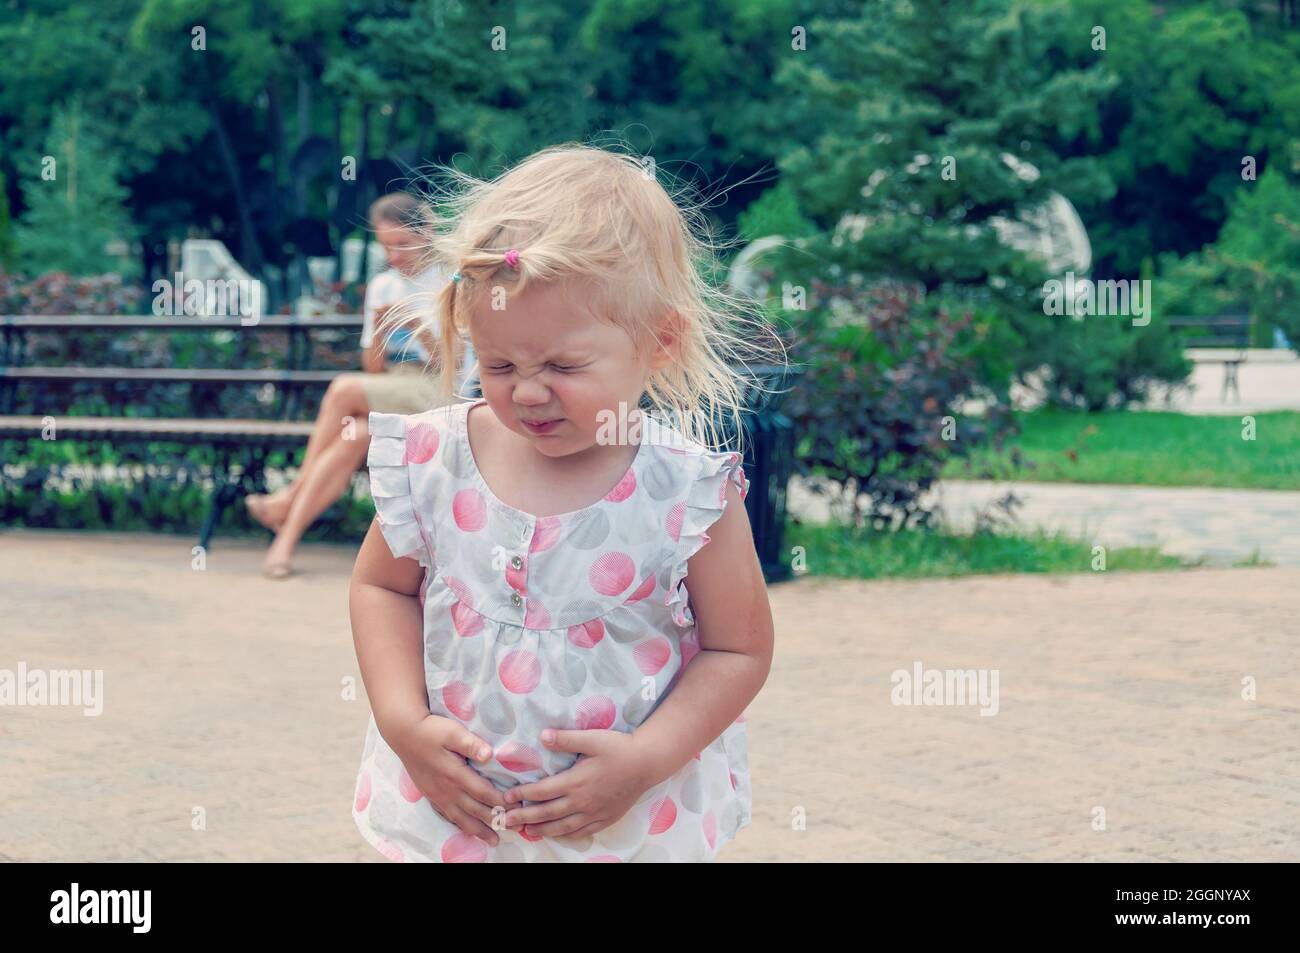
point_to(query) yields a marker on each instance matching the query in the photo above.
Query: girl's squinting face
(544, 357)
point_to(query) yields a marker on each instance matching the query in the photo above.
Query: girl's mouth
(546, 427)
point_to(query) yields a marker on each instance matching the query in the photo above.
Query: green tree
(1197, 87)
(1254, 263)
(6, 230)
(75, 204)
(917, 107)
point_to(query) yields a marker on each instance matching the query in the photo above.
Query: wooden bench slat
(189, 323)
(160, 428)
(204, 375)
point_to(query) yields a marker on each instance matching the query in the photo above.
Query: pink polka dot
(626, 487)
(363, 792)
(651, 655)
(466, 621)
(460, 590)
(421, 443)
(462, 848)
(588, 634)
(458, 698)
(643, 591)
(546, 533)
(520, 672)
(406, 785)
(535, 615)
(596, 712)
(663, 813)
(611, 573)
(675, 518)
(469, 510)
(710, 825)
(391, 851)
(517, 579)
(519, 758)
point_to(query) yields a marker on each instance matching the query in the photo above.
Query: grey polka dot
(590, 532)
(569, 675)
(626, 832)
(660, 481)
(383, 810)
(691, 794)
(580, 611)
(608, 671)
(623, 632)
(728, 818)
(495, 712)
(637, 709)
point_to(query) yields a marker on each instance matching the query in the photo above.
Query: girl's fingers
(590, 830)
(472, 826)
(517, 817)
(478, 787)
(470, 805)
(563, 827)
(469, 745)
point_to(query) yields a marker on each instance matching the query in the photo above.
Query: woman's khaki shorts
(404, 388)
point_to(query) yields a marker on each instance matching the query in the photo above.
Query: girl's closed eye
(559, 367)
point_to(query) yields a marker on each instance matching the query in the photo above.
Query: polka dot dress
(577, 621)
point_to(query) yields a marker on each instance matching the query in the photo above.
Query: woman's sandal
(277, 571)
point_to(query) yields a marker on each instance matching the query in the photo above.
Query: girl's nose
(529, 392)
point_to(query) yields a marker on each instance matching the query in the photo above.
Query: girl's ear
(667, 349)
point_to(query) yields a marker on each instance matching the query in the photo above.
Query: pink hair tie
(512, 258)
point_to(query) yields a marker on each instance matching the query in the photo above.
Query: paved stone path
(1224, 527)
(1119, 692)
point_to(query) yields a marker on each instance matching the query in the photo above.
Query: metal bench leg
(223, 494)
(1230, 381)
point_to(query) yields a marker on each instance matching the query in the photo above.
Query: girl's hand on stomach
(592, 794)
(434, 750)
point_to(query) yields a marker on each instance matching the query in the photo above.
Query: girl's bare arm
(388, 632)
(373, 358)
(734, 622)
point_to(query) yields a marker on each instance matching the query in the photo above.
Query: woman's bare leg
(322, 485)
(344, 398)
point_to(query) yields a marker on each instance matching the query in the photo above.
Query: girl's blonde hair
(582, 213)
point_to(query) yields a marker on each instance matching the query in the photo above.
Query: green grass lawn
(839, 551)
(1155, 449)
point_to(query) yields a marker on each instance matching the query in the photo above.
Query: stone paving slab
(1223, 526)
(1116, 691)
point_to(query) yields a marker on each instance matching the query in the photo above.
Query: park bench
(1224, 339)
(241, 446)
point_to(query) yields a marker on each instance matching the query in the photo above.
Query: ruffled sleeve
(704, 505)
(390, 488)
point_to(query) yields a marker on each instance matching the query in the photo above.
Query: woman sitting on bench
(395, 381)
